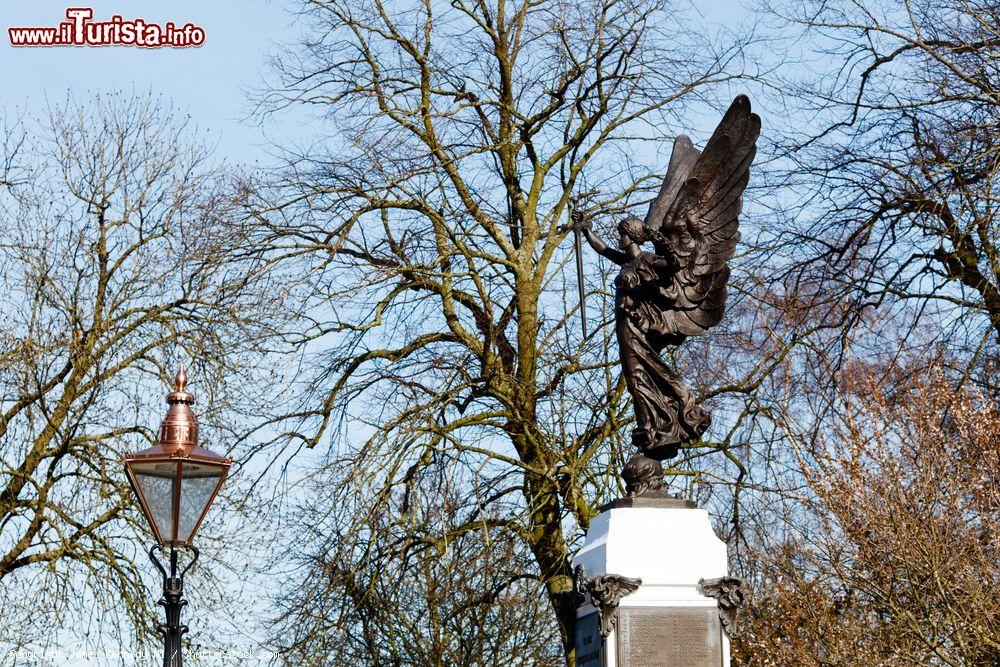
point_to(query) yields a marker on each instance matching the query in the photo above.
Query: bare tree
(113, 270)
(897, 168)
(429, 591)
(891, 555)
(424, 238)
(887, 255)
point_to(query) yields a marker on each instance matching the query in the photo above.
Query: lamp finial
(181, 380)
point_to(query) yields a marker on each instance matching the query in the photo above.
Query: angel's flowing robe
(665, 410)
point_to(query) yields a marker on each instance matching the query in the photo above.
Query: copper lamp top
(179, 429)
(178, 435)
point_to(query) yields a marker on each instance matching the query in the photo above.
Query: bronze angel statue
(679, 289)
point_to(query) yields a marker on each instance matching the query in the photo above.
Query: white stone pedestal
(670, 547)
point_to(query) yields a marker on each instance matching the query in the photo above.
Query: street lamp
(175, 482)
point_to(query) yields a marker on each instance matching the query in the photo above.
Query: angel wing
(697, 214)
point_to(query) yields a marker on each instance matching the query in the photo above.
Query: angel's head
(631, 232)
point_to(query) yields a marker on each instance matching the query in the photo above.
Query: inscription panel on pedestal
(589, 644)
(669, 637)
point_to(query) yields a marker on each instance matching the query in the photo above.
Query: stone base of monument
(646, 577)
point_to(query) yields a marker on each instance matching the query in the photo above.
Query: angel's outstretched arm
(596, 242)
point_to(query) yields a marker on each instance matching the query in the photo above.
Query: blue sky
(209, 82)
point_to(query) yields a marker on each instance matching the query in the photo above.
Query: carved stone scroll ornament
(729, 591)
(605, 591)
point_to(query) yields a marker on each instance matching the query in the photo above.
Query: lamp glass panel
(157, 481)
(198, 484)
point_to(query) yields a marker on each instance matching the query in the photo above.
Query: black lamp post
(175, 482)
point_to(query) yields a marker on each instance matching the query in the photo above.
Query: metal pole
(172, 602)
(578, 243)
